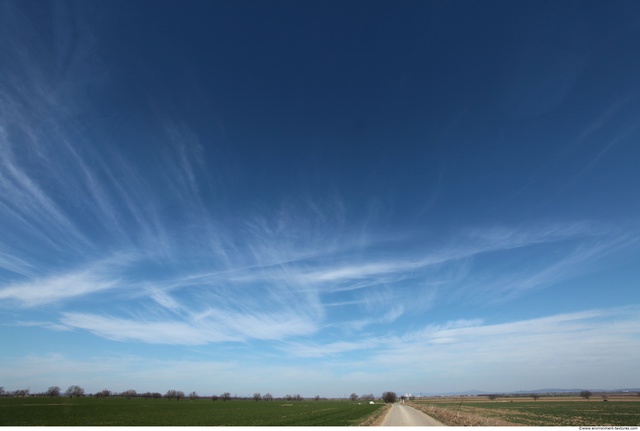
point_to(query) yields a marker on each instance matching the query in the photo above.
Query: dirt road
(401, 415)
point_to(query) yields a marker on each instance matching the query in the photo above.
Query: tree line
(53, 391)
(173, 394)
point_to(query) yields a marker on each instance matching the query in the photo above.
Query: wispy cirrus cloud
(577, 256)
(212, 326)
(132, 219)
(294, 298)
(54, 289)
(16, 265)
(152, 332)
(301, 258)
(26, 205)
(287, 269)
(63, 286)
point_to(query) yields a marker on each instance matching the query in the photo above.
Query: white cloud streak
(56, 288)
(214, 326)
(99, 276)
(17, 265)
(166, 332)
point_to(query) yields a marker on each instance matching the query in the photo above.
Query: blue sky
(319, 197)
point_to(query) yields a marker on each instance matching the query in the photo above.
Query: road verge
(376, 418)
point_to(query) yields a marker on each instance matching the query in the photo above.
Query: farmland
(118, 411)
(548, 411)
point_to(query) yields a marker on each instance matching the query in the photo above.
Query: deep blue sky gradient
(336, 196)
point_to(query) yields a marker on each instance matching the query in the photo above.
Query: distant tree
(193, 396)
(74, 391)
(267, 397)
(257, 396)
(171, 393)
(21, 393)
(492, 397)
(389, 397)
(156, 395)
(295, 397)
(2, 391)
(53, 391)
(585, 394)
(353, 397)
(317, 398)
(129, 393)
(214, 398)
(103, 393)
(226, 396)
(179, 394)
(535, 397)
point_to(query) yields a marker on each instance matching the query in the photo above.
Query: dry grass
(377, 417)
(458, 418)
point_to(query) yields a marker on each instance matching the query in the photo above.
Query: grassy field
(117, 411)
(560, 411)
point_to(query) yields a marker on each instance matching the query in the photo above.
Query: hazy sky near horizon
(319, 197)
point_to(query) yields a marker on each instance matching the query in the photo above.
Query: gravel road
(401, 415)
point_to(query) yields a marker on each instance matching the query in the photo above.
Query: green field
(117, 411)
(552, 413)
